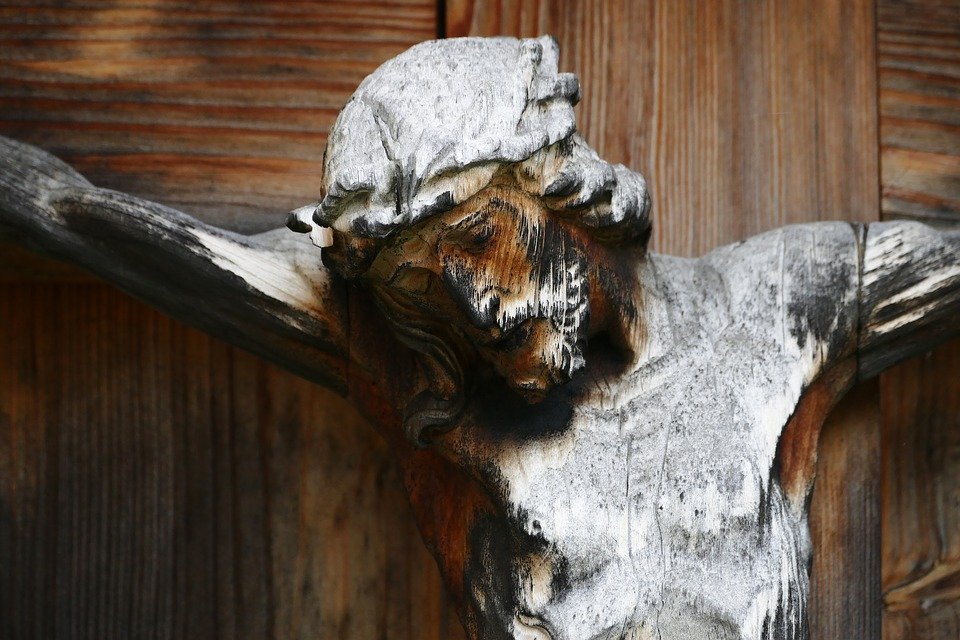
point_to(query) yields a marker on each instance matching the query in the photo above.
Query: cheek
(496, 293)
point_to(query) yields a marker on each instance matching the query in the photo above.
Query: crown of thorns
(431, 127)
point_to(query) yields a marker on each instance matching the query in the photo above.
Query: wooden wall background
(157, 483)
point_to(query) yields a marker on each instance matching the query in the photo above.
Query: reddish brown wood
(157, 483)
(220, 109)
(18, 264)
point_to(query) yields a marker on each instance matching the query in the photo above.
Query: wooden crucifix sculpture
(598, 441)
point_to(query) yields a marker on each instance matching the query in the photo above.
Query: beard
(542, 344)
(533, 327)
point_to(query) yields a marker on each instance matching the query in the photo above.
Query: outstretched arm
(909, 294)
(268, 294)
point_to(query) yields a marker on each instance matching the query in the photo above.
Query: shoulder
(803, 278)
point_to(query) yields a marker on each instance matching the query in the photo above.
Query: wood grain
(743, 117)
(921, 485)
(266, 293)
(919, 75)
(845, 522)
(220, 109)
(918, 58)
(157, 483)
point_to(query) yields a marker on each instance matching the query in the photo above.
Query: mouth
(533, 390)
(534, 385)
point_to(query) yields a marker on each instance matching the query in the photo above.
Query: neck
(616, 300)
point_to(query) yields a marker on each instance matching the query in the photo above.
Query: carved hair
(433, 410)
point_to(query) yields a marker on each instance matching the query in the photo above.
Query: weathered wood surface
(218, 108)
(500, 269)
(921, 482)
(742, 117)
(919, 75)
(155, 481)
(918, 61)
(846, 527)
(498, 247)
(775, 25)
(264, 292)
(691, 347)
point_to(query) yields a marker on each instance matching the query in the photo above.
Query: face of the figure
(508, 278)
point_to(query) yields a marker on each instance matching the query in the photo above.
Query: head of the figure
(458, 191)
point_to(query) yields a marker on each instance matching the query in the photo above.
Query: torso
(646, 504)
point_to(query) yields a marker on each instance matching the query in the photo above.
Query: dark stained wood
(921, 482)
(845, 522)
(743, 116)
(918, 51)
(157, 483)
(22, 265)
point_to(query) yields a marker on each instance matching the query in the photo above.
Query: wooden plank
(157, 483)
(743, 117)
(220, 109)
(919, 74)
(845, 522)
(18, 264)
(921, 482)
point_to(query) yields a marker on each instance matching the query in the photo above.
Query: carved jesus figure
(599, 442)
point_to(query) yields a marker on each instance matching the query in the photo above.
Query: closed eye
(472, 238)
(480, 235)
(414, 279)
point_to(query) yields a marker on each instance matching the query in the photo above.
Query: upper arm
(910, 294)
(260, 293)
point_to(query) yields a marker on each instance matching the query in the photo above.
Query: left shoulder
(804, 278)
(804, 251)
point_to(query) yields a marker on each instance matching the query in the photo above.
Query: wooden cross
(598, 441)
